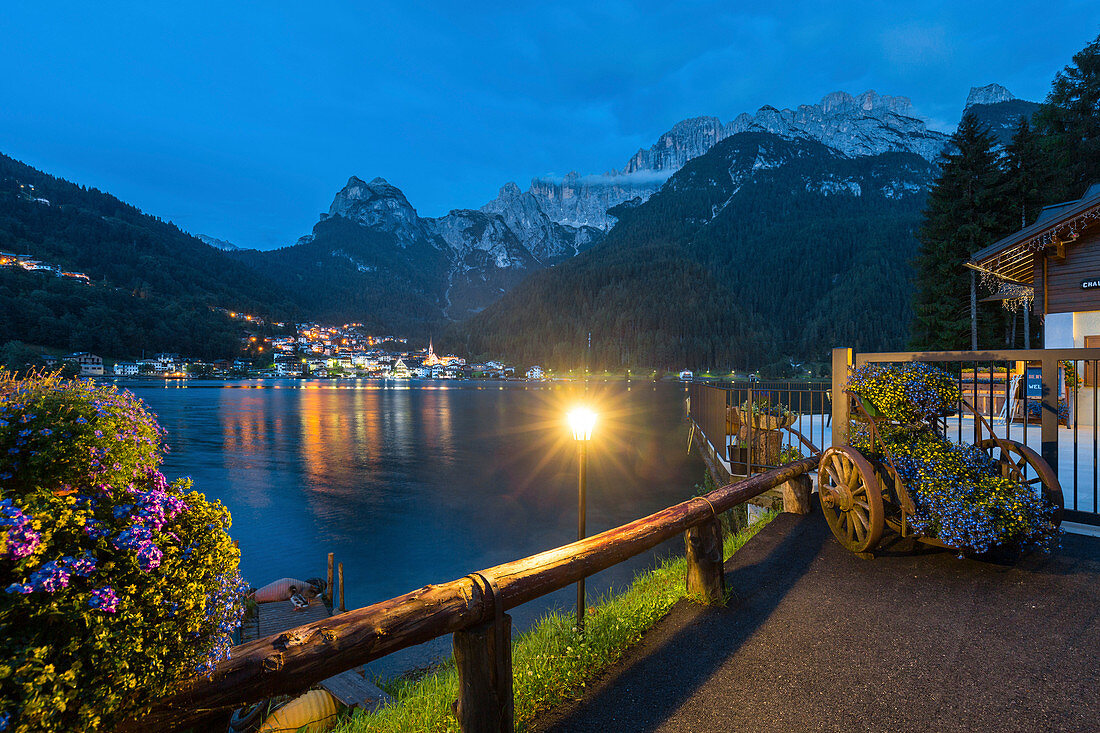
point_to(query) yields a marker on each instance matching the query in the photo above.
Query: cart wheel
(1022, 458)
(851, 498)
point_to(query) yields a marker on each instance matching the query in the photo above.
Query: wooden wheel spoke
(832, 474)
(861, 530)
(839, 471)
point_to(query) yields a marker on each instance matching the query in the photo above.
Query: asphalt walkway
(819, 640)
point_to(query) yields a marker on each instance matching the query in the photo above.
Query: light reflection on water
(421, 482)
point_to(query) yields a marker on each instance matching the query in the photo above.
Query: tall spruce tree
(1027, 175)
(965, 212)
(1069, 123)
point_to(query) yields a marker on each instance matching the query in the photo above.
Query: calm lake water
(421, 482)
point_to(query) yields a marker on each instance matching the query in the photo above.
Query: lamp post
(581, 421)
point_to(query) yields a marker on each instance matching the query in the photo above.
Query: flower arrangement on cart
(900, 473)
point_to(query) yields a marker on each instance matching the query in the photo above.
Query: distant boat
(686, 376)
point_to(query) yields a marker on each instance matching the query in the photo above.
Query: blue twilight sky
(242, 119)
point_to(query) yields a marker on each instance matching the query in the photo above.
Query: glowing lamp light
(581, 421)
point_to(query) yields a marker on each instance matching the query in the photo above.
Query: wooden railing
(472, 608)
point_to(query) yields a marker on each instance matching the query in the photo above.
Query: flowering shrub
(906, 392)
(764, 406)
(959, 495)
(115, 583)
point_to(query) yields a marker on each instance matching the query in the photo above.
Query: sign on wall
(1090, 284)
(1034, 383)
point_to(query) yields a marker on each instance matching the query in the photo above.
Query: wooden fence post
(705, 576)
(329, 588)
(796, 495)
(341, 572)
(842, 360)
(484, 680)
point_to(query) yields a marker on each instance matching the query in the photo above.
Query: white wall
(1086, 323)
(1058, 331)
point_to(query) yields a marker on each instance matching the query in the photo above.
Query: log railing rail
(472, 606)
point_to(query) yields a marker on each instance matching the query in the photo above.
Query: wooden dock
(352, 688)
(276, 617)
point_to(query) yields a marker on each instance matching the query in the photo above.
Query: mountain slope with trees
(93, 232)
(761, 249)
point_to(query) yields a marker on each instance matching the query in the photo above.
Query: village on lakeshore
(311, 351)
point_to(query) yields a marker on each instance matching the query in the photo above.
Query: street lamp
(581, 421)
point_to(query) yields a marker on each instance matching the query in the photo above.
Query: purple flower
(149, 557)
(80, 566)
(51, 577)
(22, 539)
(21, 588)
(94, 530)
(104, 599)
(45, 432)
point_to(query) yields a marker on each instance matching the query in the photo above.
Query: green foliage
(1069, 124)
(59, 313)
(116, 583)
(21, 360)
(965, 213)
(1027, 176)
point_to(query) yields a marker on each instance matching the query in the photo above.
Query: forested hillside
(353, 273)
(762, 249)
(153, 288)
(41, 309)
(93, 232)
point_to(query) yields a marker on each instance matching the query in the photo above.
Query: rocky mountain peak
(378, 205)
(989, 94)
(217, 243)
(686, 140)
(870, 102)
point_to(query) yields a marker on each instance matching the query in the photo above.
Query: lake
(422, 482)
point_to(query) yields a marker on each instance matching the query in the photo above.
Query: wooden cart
(862, 496)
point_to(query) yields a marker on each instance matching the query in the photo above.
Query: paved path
(819, 640)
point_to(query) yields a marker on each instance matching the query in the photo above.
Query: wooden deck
(352, 688)
(274, 618)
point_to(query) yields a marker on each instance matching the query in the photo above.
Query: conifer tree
(964, 214)
(1069, 123)
(1026, 176)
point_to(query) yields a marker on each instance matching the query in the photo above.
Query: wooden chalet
(1053, 268)
(1054, 263)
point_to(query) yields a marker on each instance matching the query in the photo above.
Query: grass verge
(551, 662)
